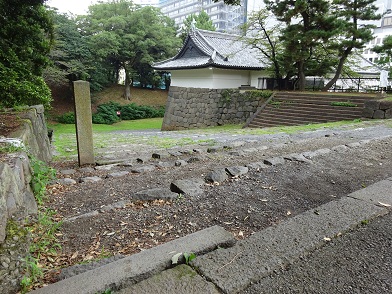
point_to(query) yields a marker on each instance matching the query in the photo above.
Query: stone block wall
(188, 108)
(17, 200)
(378, 109)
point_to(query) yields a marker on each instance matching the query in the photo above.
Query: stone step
(306, 108)
(291, 108)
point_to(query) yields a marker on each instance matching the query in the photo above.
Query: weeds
(344, 104)
(44, 242)
(42, 174)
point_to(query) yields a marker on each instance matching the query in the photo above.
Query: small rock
(4, 264)
(86, 169)
(186, 151)
(142, 159)
(213, 149)
(193, 159)
(120, 204)
(156, 193)
(353, 145)
(274, 161)
(160, 155)
(236, 171)
(165, 164)
(198, 151)
(180, 163)
(90, 179)
(339, 148)
(191, 187)
(66, 181)
(142, 169)
(67, 171)
(106, 167)
(117, 174)
(218, 175)
(175, 153)
(257, 165)
(297, 157)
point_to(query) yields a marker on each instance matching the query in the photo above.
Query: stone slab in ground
(137, 267)
(156, 193)
(179, 280)
(191, 187)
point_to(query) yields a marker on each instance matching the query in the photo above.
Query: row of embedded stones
(378, 109)
(194, 186)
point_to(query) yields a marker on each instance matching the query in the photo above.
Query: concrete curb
(234, 269)
(138, 267)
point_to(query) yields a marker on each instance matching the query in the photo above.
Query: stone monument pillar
(84, 125)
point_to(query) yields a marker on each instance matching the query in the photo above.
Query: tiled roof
(205, 48)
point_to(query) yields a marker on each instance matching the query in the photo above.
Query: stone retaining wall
(16, 197)
(378, 109)
(188, 108)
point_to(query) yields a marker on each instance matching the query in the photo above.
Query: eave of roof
(218, 50)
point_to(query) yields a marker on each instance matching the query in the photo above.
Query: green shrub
(257, 94)
(107, 113)
(131, 112)
(66, 118)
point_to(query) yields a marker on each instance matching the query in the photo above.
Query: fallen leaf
(75, 255)
(110, 234)
(384, 204)
(176, 257)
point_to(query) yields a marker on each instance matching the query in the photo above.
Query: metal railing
(364, 85)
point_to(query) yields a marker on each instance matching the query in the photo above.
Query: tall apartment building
(147, 2)
(383, 29)
(226, 18)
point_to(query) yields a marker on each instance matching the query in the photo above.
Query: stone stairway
(297, 108)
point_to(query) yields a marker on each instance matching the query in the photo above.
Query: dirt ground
(242, 205)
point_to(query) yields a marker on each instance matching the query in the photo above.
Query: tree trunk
(301, 75)
(338, 70)
(127, 91)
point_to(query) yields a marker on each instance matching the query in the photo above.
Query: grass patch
(344, 104)
(134, 125)
(104, 136)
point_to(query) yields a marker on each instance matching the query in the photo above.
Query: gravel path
(107, 217)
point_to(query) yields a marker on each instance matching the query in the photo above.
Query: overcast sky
(73, 6)
(81, 6)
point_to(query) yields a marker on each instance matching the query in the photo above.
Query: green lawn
(65, 139)
(141, 124)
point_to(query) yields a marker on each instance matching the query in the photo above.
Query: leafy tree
(386, 52)
(25, 40)
(126, 36)
(202, 21)
(265, 38)
(351, 35)
(70, 56)
(308, 25)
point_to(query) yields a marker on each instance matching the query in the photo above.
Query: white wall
(215, 78)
